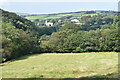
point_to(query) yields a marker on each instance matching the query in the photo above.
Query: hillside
(71, 15)
(81, 44)
(71, 65)
(22, 14)
(18, 36)
(89, 20)
(17, 21)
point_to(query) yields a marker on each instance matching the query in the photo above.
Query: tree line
(75, 40)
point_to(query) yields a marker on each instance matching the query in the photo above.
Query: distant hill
(72, 15)
(22, 14)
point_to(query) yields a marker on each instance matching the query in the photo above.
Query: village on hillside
(53, 22)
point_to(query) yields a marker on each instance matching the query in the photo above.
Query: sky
(57, 6)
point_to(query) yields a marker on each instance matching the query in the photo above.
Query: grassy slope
(68, 65)
(44, 17)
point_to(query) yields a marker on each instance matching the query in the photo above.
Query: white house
(95, 23)
(75, 20)
(103, 21)
(48, 23)
(59, 20)
(38, 24)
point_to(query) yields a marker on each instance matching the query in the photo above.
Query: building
(75, 20)
(48, 23)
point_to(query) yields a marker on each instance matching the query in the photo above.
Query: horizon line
(58, 12)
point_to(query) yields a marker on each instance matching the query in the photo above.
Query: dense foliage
(81, 41)
(17, 21)
(95, 33)
(85, 38)
(18, 37)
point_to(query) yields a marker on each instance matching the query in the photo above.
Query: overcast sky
(57, 6)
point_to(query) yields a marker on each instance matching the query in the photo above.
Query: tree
(17, 42)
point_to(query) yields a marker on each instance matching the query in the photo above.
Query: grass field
(68, 65)
(44, 17)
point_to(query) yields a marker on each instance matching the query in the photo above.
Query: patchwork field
(63, 65)
(55, 16)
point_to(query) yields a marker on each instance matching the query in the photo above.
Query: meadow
(63, 65)
(56, 16)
